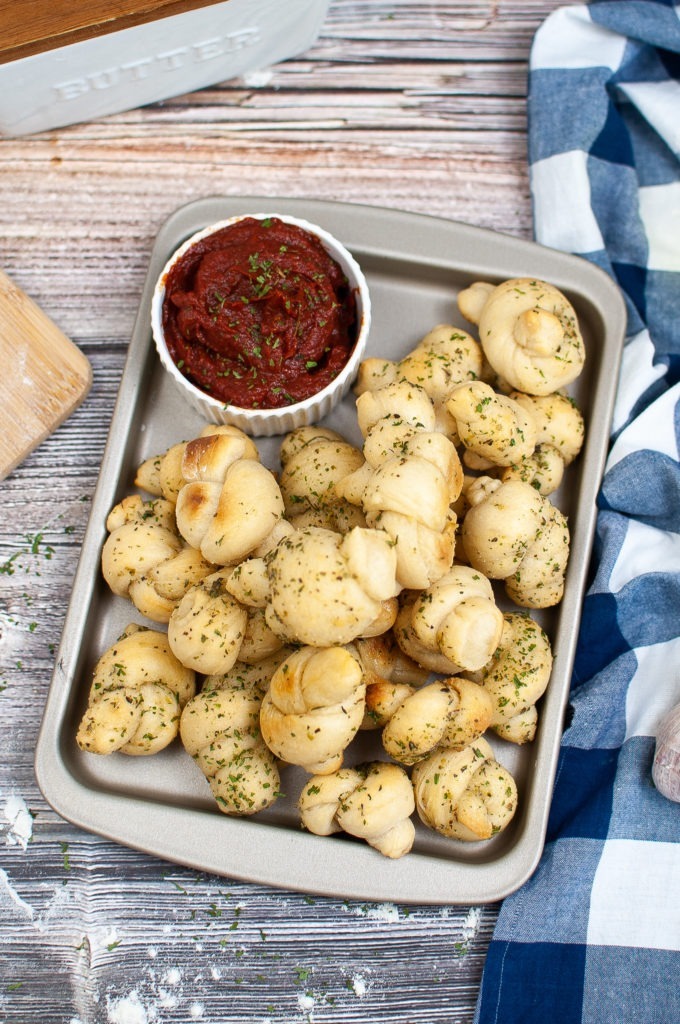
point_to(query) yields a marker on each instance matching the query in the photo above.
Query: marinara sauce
(258, 314)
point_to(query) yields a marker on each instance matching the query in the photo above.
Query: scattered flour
(57, 914)
(7, 891)
(306, 1002)
(259, 77)
(146, 1003)
(196, 1011)
(173, 976)
(359, 986)
(128, 1010)
(471, 923)
(20, 820)
(376, 911)
(59, 911)
(167, 1000)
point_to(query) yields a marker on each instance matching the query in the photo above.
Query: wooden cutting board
(43, 375)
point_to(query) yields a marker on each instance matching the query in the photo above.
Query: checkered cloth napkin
(594, 935)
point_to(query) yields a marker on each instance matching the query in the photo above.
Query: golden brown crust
(465, 794)
(372, 802)
(314, 707)
(137, 692)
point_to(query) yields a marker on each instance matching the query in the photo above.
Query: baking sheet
(415, 265)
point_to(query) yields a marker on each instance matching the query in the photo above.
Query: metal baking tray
(415, 265)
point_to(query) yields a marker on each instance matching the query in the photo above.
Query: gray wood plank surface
(416, 106)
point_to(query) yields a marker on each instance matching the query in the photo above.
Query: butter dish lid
(28, 27)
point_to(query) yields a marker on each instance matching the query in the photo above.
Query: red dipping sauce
(258, 314)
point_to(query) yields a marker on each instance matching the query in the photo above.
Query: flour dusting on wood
(129, 1010)
(8, 894)
(387, 912)
(19, 821)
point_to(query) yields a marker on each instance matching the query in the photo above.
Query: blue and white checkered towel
(594, 936)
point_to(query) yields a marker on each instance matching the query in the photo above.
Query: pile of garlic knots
(356, 587)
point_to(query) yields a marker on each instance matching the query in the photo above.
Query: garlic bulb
(666, 765)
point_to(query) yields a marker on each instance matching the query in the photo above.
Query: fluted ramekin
(263, 422)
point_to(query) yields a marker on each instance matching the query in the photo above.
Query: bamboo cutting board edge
(44, 376)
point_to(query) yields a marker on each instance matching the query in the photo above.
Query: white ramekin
(270, 422)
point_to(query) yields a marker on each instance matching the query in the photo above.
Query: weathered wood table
(415, 106)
